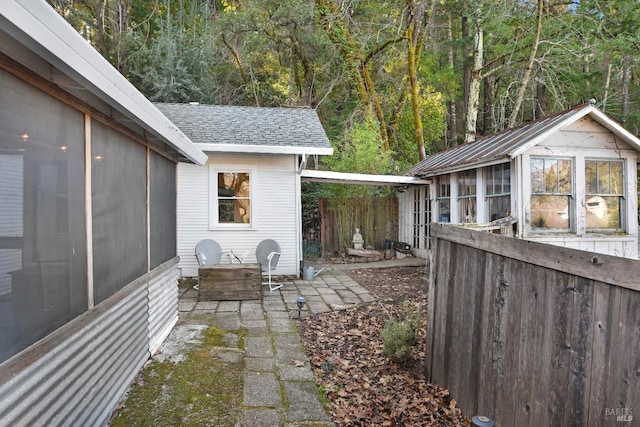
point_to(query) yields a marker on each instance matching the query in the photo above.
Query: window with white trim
(231, 197)
(467, 202)
(551, 194)
(443, 198)
(604, 195)
(498, 191)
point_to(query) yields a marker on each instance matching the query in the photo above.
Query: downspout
(301, 164)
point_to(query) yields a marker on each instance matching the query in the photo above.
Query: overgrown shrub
(399, 334)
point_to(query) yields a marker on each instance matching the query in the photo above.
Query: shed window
(443, 198)
(232, 197)
(551, 193)
(604, 194)
(498, 191)
(467, 196)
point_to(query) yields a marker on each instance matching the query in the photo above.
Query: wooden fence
(531, 334)
(377, 219)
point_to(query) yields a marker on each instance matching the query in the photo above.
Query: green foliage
(400, 334)
(433, 122)
(280, 53)
(359, 152)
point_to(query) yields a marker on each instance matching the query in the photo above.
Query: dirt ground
(360, 385)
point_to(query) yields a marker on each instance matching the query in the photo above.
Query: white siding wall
(275, 203)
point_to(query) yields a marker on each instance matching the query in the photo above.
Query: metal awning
(309, 175)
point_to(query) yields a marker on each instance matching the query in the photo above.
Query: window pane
(603, 212)
(617, 183)
(467, 209)
(591, 176)
(537, 176)
(550, 176)
(467, 183)
(226, 210)
(444, 208)
(499, 207)
(444, 188)
(491, 179)
(234, 203)
(550, 212)
(506, 182)
(604, 177)
(564, 177)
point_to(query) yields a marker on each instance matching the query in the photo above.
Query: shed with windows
(569, 179)
(250, 188)
(88, 264)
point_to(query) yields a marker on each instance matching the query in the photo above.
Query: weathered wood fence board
(532, 334)
(376, 217)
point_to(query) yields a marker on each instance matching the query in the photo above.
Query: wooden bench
(229, 282)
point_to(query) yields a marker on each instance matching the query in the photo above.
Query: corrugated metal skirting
(83, 370)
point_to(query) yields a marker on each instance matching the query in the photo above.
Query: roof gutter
(264, 149)
(360, 178)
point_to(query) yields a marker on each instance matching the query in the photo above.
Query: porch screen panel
(119, 210)
(42, 218)
(163, 209)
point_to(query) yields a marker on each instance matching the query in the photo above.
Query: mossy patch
(203, 390)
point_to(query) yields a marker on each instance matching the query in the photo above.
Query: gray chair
(208, 252)
(267, 255)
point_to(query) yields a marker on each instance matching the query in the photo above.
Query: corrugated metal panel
(163, 306)
(82, 371)
(492, 148)
(82, 379)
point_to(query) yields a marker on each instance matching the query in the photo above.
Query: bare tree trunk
(416, 23)
(607, 85)
(123, 29)
(529, 70)
(453, 119)
(475, 75)
(467, 60)
(626, 79)
(540, 99)
(488, 113)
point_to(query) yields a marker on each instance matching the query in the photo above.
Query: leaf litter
(360, 385)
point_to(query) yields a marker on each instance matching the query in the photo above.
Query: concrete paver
(279, 386)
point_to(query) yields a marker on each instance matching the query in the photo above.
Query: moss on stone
(203, 390)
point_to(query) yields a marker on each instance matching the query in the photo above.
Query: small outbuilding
(249, 190)
(569, 179)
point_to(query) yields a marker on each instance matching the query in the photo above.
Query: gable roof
(72, 63)
(224, 128)
(504, 146)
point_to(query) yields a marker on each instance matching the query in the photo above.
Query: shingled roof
(510, 143)
(221, 128)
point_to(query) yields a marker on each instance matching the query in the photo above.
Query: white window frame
(489, 196)
(214, 170)
(421, 217)
(440, 198)
(471, 198)
(622, 196)
(574, 218)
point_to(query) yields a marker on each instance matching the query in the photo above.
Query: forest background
(392, 81)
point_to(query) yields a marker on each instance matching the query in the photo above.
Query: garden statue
(357, 240)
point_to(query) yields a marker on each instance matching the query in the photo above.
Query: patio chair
(208, 252)
(267, 255)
